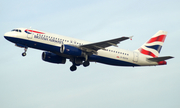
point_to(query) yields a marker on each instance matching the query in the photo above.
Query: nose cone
(6, 35)
(9, 36)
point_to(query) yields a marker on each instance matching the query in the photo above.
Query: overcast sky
(29, 82)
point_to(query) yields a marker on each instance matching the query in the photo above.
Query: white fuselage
(111, 55)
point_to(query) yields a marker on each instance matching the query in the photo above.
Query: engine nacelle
(53, 58)
(70, 50)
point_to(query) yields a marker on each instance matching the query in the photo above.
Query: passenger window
(19, 30)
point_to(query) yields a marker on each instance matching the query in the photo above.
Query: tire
(23, 54)
(73, 68)
(86, 63)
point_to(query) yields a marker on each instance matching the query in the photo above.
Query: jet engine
(53, 58)
(70, 50)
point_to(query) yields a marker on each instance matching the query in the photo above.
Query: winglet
(130, 37)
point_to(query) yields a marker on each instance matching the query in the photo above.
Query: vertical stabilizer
(153, 46)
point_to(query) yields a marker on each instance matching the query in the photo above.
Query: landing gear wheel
(86, 63)
(73, 68)
(23, 54)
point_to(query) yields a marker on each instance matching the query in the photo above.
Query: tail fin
(154, 45)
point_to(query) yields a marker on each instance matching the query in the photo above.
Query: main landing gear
(74, 66)
(79, 61)
(25, 50)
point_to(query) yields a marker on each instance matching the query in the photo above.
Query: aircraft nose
(9, 34)
(6, 35)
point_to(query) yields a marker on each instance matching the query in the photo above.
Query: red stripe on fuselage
(143, 51)
(34, 31)
(159, 38)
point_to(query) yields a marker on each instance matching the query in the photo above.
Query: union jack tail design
(154, 45)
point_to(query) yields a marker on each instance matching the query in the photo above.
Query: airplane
(58, 48)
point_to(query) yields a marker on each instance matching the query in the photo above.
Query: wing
(94, 47)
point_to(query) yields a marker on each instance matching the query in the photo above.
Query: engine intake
(53, 58)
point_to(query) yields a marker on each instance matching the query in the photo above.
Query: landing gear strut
(86, 62)
(24, 53)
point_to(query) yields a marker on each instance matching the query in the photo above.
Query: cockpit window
(13, 30)
(16, 30)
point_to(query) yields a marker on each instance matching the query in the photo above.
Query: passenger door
(29, 36)
(135, 57)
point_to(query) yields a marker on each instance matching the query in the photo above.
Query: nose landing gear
(25, 50)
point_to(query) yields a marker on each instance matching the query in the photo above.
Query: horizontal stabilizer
(157, 59)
